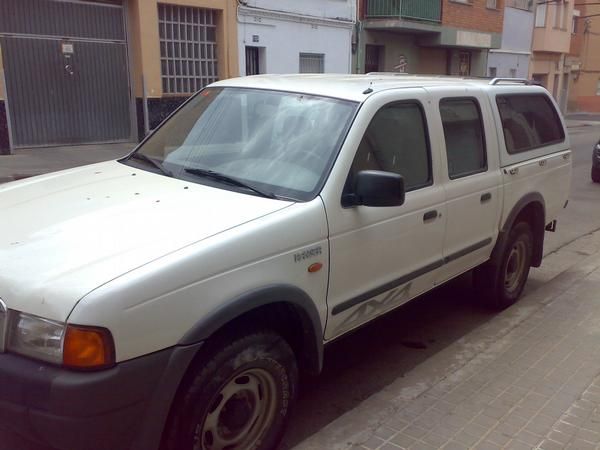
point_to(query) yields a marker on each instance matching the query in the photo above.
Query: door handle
(430, 215)
(486, 197)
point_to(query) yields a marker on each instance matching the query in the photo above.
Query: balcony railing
(427, 10)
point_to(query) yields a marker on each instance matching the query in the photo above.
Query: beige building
(106, 70)
(585, 54)
(157, 62)
(551, 44)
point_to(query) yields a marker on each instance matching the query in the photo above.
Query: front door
(383, 256)
(373, 58)
(252, 61)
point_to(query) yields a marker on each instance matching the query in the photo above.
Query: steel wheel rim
(240, 413)
(515, 266)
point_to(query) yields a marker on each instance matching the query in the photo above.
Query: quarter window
(528, 122)
(465, 141)
(396, 141)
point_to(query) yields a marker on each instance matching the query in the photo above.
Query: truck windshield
(251, 140)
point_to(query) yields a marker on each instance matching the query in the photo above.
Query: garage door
(67, 77)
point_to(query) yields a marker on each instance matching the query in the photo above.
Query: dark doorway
(373, 58)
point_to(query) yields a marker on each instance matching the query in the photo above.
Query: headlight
(35, 337)
(78, 347)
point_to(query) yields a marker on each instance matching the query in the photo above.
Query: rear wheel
(239, 398)
(596, 174)
(501, 285)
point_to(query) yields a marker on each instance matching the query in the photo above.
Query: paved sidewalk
(29, 162)
(528, 379)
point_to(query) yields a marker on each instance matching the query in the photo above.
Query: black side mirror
(376, 188)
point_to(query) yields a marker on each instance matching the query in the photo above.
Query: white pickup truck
(170, 298)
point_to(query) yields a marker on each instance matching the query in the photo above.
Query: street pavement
(527, 378)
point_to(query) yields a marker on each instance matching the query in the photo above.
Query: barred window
(312, 63)
(188, 48)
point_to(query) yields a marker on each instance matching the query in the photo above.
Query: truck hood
(64, 234)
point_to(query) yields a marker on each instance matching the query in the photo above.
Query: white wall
(517, 34)
(342, 9)
(283, 35)
(504, 62)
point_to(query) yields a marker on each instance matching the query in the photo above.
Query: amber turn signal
(314, 267)
(88, 348)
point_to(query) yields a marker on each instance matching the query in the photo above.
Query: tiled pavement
(529, 379)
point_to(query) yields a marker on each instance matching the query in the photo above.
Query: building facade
(551, 45)
(83, 71)
(450, 37)
(285, 36)
(584, 57)
(512, 58)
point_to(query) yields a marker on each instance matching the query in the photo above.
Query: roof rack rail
(525, 81)
(388, 73)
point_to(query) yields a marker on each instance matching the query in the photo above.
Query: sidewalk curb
(17, 177)
(583, 125)
(410, 394)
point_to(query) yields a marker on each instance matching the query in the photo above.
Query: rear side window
(396, 141)
(463, 132)
(528, 121)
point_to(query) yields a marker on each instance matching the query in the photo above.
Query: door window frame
(430, 178)
(483, 136)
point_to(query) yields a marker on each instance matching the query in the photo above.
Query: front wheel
(238, 399)
(501, 285)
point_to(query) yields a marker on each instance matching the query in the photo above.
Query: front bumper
(124, 407)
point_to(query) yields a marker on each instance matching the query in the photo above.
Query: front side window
(279, 142)
(396, 141)
(465, 141)
(528, 122)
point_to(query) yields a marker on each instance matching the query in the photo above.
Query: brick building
(428, 36)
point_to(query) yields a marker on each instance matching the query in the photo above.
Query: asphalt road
(364, 363)
(583, 212)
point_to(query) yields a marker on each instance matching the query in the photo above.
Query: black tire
(242, 393)
(596, 174)
(501, 285)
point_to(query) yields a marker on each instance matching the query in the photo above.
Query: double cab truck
(170, 299)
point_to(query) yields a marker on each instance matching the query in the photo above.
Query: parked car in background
(171, 298)
(596, 163)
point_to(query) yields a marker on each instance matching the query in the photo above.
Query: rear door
(471, 177)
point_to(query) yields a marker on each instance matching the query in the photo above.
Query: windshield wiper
(227, 179)
(152, 162)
